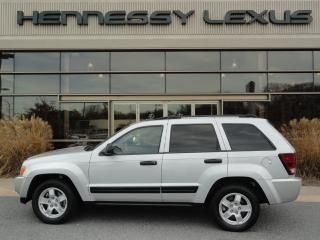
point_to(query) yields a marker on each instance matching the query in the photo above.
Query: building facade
(90, 68)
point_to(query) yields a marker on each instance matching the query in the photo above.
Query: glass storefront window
(84, 61)
(6, 107)
(6, 61)
(6, 84)
(150, 111)
(244, 83)
(85, 83)
(137, 83)
(85, 120)
(137, 61)
(232, 61)
(290, 60)
(235, 108)
(316, 82)
(37, 62)
(193, 83)
(179, 109)
(316, 60)
(206, 61)
(45, 107)
(97, 116)
(284, 108)
(124, 114)
(290, 82)
(206, 109)
(30, 84)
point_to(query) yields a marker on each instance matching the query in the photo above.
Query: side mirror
(109, 150)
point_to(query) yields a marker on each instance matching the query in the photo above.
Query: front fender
(72, 171)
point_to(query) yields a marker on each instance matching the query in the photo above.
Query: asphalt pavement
(298, 220)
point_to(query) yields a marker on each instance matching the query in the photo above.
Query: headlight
(22, 170)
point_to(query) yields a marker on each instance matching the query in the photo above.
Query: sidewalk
(307, 194)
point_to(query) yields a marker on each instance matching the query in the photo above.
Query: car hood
(72, 154)
(63, 151)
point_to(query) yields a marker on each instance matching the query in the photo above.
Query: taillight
(289, 162)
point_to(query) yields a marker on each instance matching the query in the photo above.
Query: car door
(133, 172)
(194, 159)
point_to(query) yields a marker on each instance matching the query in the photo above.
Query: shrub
(304, 135)
(20, 139)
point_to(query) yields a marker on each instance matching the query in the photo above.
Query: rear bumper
(284, 190)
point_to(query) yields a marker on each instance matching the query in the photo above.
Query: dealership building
(90, 68)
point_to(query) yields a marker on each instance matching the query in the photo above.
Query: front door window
(145, 140)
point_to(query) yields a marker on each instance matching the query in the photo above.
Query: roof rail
(181, 116)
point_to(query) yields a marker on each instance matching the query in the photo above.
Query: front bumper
(20, 186)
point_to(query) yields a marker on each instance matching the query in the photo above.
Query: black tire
(229, 189)
(71, 196)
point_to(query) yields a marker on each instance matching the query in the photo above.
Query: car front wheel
(54, 202)
(235, 208)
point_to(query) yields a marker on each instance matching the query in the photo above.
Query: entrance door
(125, 113)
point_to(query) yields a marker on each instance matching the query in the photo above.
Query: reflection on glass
(237, 108)
(316, 82)
(290, 60)
(6, 61)
(193, 83)
(206, 109)
(284, 108)
(44, 107)
(243, 61)
(179, 109)
(207, 61)
(137, 83)
(244, 83)
(85, 120)
(37, 62)
(72, 120)
(137, 61)
(85, 83)
(97, 116)
(150, 111)
(124, 114)
(316, 60)
(84, 61)
(6, 84)
(37, 84)
(290, 82)
(6, 107)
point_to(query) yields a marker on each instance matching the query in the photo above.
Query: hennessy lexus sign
(164, 17)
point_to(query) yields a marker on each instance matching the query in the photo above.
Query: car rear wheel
(235, 208)
(54, 202)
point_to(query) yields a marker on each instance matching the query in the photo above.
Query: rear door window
(193, 138)
(246, 137)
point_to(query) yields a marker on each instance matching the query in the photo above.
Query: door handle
(146, 163)
(213, 160)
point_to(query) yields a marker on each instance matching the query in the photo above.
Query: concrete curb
(307, 194)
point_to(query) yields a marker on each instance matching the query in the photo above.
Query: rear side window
(193, 138)
(246, 137)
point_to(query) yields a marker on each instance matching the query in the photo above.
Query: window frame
(128, 132)
(194, 123)
(257, 128)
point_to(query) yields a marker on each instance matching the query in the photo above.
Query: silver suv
(230, 165)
